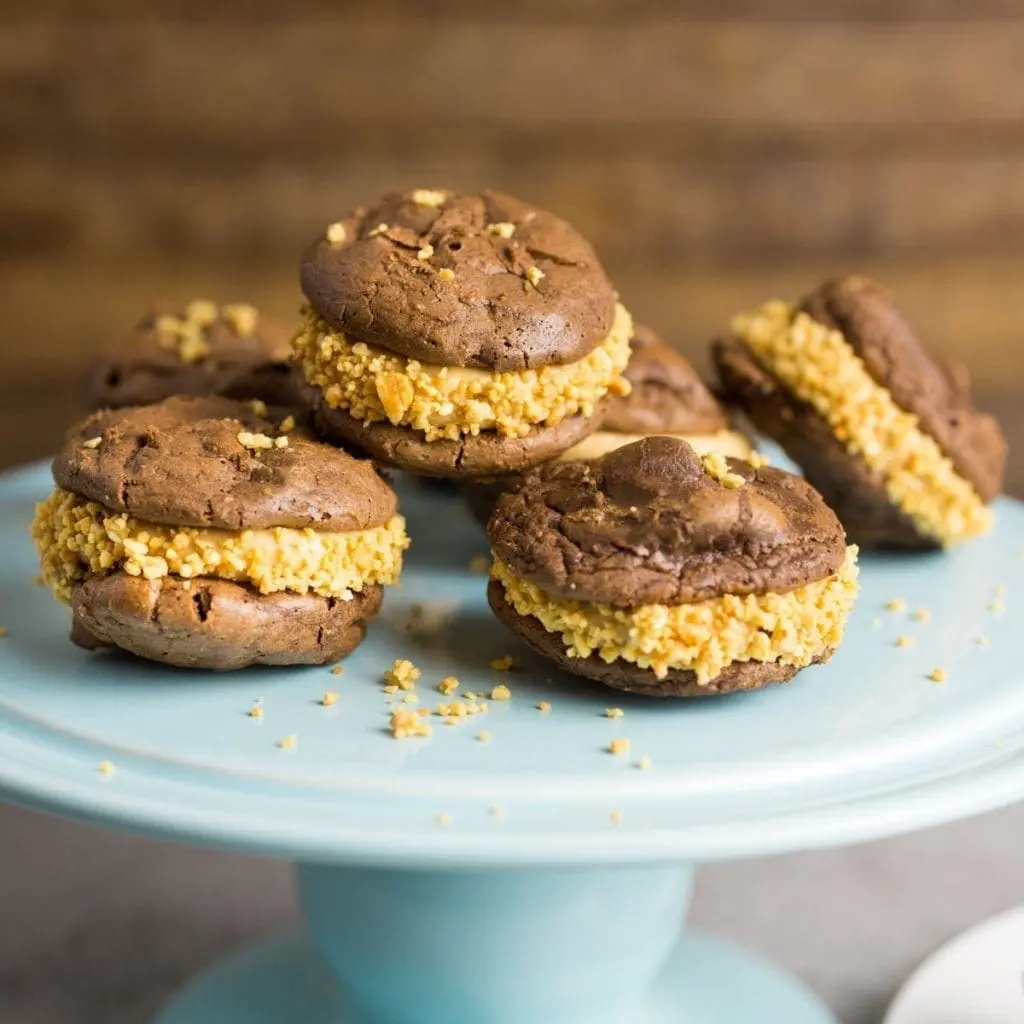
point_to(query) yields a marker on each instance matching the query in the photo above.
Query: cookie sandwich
(667, 397)
(208, 533)
(884, 430)
(458, 335)
(206, 349)
(662, 572)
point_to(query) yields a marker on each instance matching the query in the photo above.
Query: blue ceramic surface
(862, 747)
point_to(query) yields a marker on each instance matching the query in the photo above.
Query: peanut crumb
(336, 233)
(501, 692)
(402, 674)
(922, 614)
(484, 737)
(619, 746)
(757, 460)
(241, 317)
(337, 670)
(425, 253)
(644, 764)
(281, 442)
(93, 442)
(378, 230)
(502, 664)
(479, 564)
(428, 197)
(410, 698)
(446, 274)
(258, 406)
(613, 712)
(906, 641)
(534, 275)
(330, 697)
(256, 711)
(938, 675)
(503, 229)
(444, 819)
(896, 604)
(288, 742)
(544, 707)
(255, 442)
(469, 695)
(106, 768)
(615, 817)
(406, 724)
(448, 685)
(716, 465)
(201, 312)
(982, 641)
(391, 688)
(287, 424)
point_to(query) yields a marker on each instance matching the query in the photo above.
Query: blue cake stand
(534, 878)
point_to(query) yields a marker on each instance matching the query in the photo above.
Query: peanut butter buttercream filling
(726, 442)
(373, 385)
(77, 538)
(704, 638)
(820, 368)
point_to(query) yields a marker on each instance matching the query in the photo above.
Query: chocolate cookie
(206, 533)
(663, 572)
(885, 431)
(206, 350)
(474, 323)
(667, 397)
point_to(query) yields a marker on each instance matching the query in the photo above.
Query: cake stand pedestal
(531, 877)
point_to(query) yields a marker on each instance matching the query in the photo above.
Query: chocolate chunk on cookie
(886, 431)
(206, 349)
(672, 569)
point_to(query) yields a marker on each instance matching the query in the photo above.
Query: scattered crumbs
(287, 424)
(428, 197)
(446, 274)
(402, 675)
(613, 712)
(716, 466)
(502, 664)
(544, 706)
(503, 229)
(619, 746)
(484, 737)
(922, 614)
(258, 406)
(469, 695)
(757, 460)
(906, 641)
(281, 442)
(981, 641)
(501, 692)
(93, 442)
(378, 230)
(444, 819)
(106, 768)
(938, 675)
(615, 817)
(644, 764)
(336, 233)
(425, 253)
(996, 607)
(242, 318)
(410, 698)
(876, 623)
(337, 670)
(288, 742)
(479, 564)
(448, 685)
(896, 604)
(256, 711)
(247, 439)
(391, 688)
(497, 811)
(330, 697)
(406, 724)
(534, 275)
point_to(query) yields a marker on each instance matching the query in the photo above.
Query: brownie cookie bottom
(483, 454)
(630, 677)
(216, 624)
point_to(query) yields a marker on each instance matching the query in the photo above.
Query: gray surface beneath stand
(97, 928)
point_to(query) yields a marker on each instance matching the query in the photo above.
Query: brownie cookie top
(214, 462)
(668, 396)
(651, 523)
(206, 350)
(867, 317)
(461, 280)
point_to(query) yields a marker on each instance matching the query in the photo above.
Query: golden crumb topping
(703, 638)
(716, 466)
(428, 197)
(373, 385)
(818, 365)
(77, 538)
(402, 674)
(187, 334)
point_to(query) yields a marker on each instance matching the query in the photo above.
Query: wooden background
(717, 153)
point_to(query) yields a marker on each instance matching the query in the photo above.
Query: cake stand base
(495, 947)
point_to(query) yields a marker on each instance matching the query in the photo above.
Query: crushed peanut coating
(77, 538)
(820, 368)
(403, 674)
(716, 466)
(429, 197)
(534, 275)
(704, 638)
(446, 274)
(93, 442)
(185, 334)
(247, 439)
(241, 317)
(373, 385)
